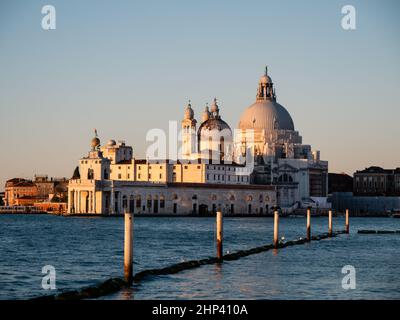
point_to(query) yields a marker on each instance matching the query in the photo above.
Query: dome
(95, 142)
(266, 115)
(213, 124)
(206, 114)
(214, 106)
(189, 113)
(111, 143)
(265, 79)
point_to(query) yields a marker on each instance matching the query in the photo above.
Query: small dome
(206, 114)
(95, 142)
(213, 124)
(265, 79)
(214, 106)
(266, 115)
(111, 143)
(189, 113)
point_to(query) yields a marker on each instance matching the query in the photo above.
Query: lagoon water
(85, 251)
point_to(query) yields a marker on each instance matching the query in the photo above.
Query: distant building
(20, 192)
(2, 195)
(375, 191)
(376, 181)
(339, 182)
(23, 192)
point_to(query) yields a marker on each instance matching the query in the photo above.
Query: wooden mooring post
(308, 224)
(330, 223)
(128, 247)
(220, 231)
(276, 228)
(347, 221)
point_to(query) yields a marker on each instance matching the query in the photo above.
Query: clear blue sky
(125, 67)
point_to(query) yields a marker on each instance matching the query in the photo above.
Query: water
(85, 251)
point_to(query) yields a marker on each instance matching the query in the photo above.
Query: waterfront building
(210, 171)
(20, 192)
(375, 191)
(23, 192)
(112, 185)
(376, 181)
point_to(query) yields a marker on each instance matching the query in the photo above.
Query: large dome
(266, 115)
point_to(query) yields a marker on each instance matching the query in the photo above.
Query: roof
(376, 169)
(214, 124)
(266, 115)
(18, 183)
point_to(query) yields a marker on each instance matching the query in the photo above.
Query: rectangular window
(119, 176)
(139, 176)
(160, 176)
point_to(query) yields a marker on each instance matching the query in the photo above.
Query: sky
(125, 67)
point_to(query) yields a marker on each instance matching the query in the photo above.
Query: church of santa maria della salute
(261, 164)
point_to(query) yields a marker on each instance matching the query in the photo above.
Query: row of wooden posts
(128, 239)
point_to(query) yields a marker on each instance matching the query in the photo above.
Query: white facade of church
(262, 164)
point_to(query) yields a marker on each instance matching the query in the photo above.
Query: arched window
(162, 201)
(124, 202)
(138, 201)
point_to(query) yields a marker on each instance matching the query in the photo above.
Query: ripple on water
(85, 251)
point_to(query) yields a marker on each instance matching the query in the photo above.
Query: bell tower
(188, 133)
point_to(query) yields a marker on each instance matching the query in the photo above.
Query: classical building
(376, 181)
(262, 164)
(20, 192)
(119, 182)
(23, 192)
(280, 157)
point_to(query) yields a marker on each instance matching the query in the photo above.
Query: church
(260, 164)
